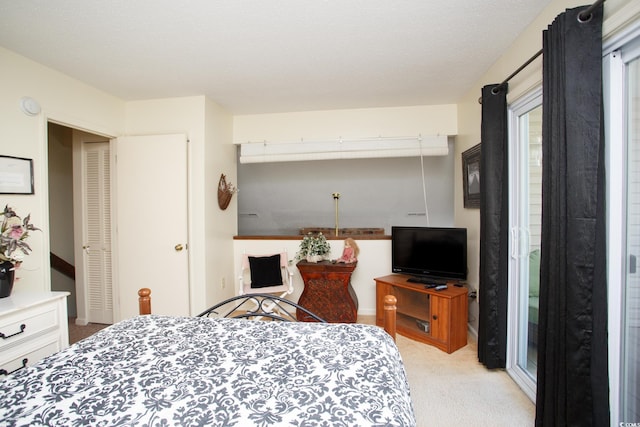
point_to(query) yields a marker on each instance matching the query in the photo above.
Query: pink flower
(13, 232)
(16, 232)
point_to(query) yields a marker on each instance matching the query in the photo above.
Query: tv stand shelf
(438, 318)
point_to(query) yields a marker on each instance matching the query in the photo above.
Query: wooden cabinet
(434, 317)
(328, 292)
(32, 326)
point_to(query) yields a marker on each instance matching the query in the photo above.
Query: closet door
(97, 234)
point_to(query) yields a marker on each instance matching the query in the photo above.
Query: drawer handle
(22, 328)
(24, 365)
(435, 317)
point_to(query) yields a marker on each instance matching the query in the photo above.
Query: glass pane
(631, 301)
(530, 218)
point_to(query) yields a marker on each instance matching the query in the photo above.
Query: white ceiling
(262, 56)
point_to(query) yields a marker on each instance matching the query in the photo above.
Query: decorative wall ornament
(225, 192)
(471, 177)
(16, 175)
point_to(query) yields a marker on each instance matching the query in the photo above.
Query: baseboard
(81, 322)
(472, 332)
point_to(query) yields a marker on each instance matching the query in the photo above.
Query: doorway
(70, 257)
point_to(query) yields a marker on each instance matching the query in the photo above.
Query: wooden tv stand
(434, 317)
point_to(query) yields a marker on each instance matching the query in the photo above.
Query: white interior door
(151, 228)
(97, 232)
(92, 228)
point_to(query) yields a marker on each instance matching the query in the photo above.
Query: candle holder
(336, 197)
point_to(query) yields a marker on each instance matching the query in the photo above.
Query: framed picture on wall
(471, 177)
(16, 175)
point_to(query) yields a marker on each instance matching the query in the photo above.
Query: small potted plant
(13, 247)
(314, 248)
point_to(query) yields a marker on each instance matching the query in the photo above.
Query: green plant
(13, 233)
(313, 245)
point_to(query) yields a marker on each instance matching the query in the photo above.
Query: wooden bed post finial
(390, 315)
(144, 301)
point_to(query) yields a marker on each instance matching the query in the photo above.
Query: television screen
(429, 252)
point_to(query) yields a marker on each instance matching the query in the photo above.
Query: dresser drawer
(33, 325)
(28, 354)
(30, 322)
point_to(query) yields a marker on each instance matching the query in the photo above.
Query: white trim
(613, 69)
(620, 27)
(522, 105)
(621, 30)
(276, 151)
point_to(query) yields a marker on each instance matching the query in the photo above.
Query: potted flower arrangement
(13, 247)
(314, 248)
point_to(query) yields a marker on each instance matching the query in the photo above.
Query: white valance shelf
(268, 151)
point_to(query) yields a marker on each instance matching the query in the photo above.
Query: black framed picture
(16, 175)
(471, 177)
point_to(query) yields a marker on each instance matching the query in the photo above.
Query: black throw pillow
(265, 271)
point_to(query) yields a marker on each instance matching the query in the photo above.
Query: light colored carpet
(446, 389)
(457, 390)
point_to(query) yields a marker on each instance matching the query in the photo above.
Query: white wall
(348, 124)
(74, 104)
(219, 157)
(63, 100)
(208, 128)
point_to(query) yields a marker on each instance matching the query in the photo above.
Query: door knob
(178, 247)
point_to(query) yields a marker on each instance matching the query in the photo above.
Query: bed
(166, 370)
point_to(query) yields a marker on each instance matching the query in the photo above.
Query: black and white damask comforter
(165, 371)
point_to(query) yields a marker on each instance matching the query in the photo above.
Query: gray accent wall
(280, 198)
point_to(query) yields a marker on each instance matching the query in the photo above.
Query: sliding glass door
(525, 195)
(622, 84)
(630, 390)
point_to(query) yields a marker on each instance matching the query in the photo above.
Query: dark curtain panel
(572, 350)
(494, 230)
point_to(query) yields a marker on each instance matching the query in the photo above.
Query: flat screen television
(429, 252)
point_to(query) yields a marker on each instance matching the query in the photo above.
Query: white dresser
(33, 325)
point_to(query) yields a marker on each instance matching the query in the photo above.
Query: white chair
(266, 274)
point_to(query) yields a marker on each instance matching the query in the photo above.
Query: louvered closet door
(97, 235)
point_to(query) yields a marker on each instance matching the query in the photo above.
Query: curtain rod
(584, 16)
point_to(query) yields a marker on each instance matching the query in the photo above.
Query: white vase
(314, 258)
